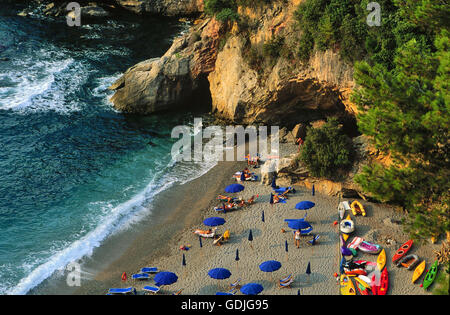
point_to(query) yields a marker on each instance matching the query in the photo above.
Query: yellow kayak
(347, 287)
(418, 271)
(357, 208)
(381, 260)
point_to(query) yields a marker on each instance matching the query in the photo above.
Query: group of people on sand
(234, 203)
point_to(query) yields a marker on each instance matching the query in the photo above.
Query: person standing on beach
(297, 235)
(300, 142)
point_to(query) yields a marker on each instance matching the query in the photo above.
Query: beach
(191, 203)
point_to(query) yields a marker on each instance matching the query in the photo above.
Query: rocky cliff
(279, 89)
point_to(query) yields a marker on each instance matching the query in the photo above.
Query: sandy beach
(381, 225)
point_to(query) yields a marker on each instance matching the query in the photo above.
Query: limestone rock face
(163, 7)
(164, 83)
(282, 91)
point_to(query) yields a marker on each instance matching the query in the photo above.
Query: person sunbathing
(251, 200)
(225, 198)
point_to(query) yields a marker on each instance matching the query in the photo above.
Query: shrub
(226, 15)
(327, 150)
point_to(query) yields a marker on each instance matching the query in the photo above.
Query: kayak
(384, 282)
(374, 286)
(347, 287)
(418, 271)
(381, 260)
(409, 261)
(347, 226)
(430, 276)
(362, 290)
(357, 208)
(365, 279)
(369, 248)
(362, 282)
(402, 251)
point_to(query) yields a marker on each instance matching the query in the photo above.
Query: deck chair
(140, 276)
(152, 290)
(149, 270)
(114, 291)
(314, 240)
(231, 292)
(235, 284)
(286, 282)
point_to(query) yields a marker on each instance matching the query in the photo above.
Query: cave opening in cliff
(200, 100)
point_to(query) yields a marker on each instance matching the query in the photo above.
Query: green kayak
(430, 276)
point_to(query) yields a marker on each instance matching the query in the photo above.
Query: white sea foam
(113, 220)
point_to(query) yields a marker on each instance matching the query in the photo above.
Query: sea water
(74, 171)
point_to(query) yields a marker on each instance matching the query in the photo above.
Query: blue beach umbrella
(165, 278)
(237, 255)
(308, 268)
(200, 240)
(299, 224)
(250, 236)
(286, 247)
(271, 199)
(262, 216)
(304, 205)
(214, 221)
(234, 188)
(183, 262)
(313, 190)
(270, 266)
(251, 289)
(219, 273)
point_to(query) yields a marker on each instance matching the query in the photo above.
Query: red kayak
(384, 282)
(402, 251)
(374, 286)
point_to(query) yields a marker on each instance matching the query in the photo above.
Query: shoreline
(159, 245)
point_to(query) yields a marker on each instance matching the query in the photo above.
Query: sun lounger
(313, 241)
(150, 289)
(140, 276)
(231, 292)
(235, 284)
(286, 282)
(114, 291)
(149, 270)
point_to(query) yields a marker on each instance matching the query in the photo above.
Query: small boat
(381, 260)
(347, 287)
(370, 248)
(430, 276)
(384, 283)
(353, 268)
(355, 242)
(362, 290)
(365, 279)
(343, 206)
(402, 251)
(409, 261)
(347, 226)
(357, 208)
(418, 271)
(374, 286)
(362, 282)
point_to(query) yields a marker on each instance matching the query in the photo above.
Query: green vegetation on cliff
(327, 150)
(404, 107)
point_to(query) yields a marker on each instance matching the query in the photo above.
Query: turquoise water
(73, 171)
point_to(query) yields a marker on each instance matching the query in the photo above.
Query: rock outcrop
(168, 82)
(163, 7)
(283, 91)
